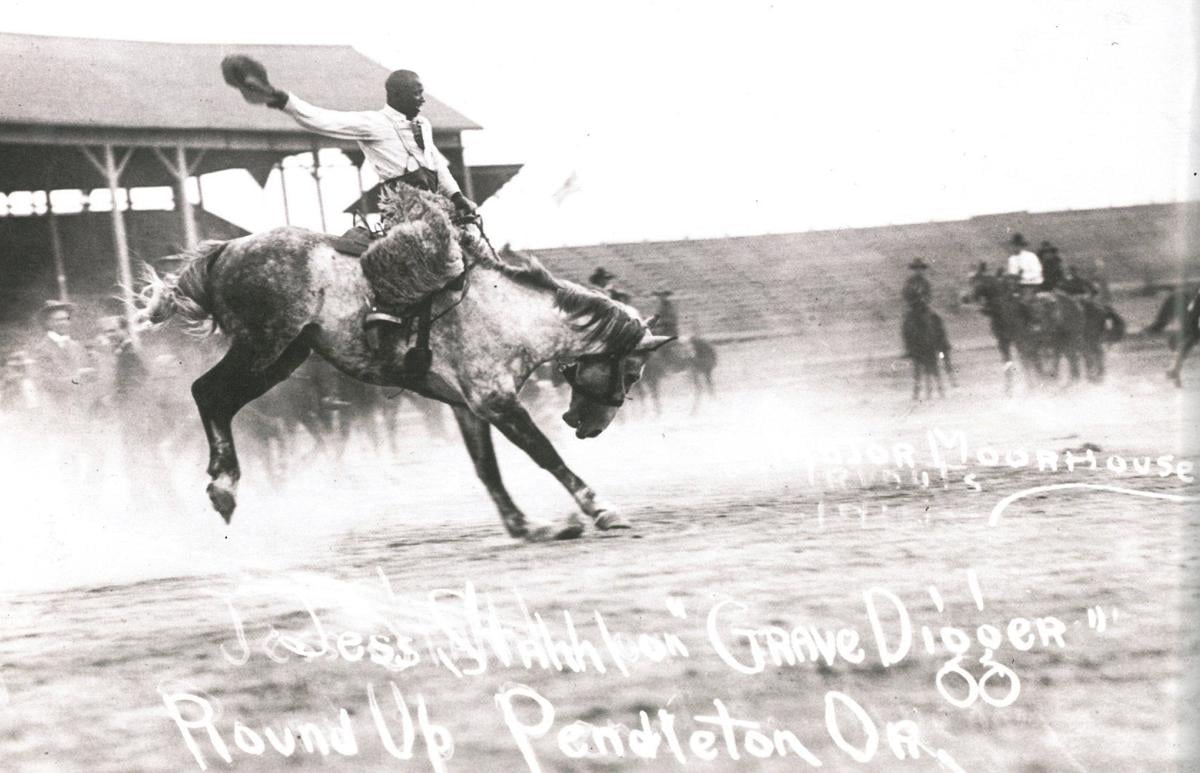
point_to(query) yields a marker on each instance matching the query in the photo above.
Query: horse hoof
(609, 520)
(223, 500)
(549, 532)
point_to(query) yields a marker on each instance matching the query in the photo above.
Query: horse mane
(602, 318)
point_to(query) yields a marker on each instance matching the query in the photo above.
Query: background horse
(691, 355)
(1103, 325)
(1189, 333)
(283, 294)
(1007, 321)
(928, 346)
(1174, 306)
(1053, 326)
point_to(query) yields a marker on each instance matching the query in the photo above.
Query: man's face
(407, 95)
(59, 321)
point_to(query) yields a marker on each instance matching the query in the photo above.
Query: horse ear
(650, 322)
(653, 342)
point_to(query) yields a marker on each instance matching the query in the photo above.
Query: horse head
(600, 384)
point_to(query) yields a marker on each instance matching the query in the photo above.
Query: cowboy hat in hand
(248, 76)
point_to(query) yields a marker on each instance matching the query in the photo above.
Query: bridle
(614, 394)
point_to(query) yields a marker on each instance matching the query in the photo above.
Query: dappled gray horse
(285, 293)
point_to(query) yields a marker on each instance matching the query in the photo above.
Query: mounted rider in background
(666, 316)
(1052, 266)
(917, 294)
(1025, 267)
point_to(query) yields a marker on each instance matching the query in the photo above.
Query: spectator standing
(62, 366)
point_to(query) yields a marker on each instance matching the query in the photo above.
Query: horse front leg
(477, 435)
(514, 422)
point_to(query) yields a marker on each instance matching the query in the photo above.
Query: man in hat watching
(61, 364)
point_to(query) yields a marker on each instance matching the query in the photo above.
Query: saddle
(386, 326)
(355, 241)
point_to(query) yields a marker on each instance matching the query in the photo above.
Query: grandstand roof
(57, 81)
(61, 91)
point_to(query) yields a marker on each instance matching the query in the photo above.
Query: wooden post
(111, 170)
(316, 173)
(181, 171)
(362, 198)
(181, 203)
(468, 183)
(287, 212)
(60, 269)
(200, 192)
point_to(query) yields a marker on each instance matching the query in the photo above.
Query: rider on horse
(666, 316)
(917, 293)
(1024, 266)
(1052, 266)
(602, 280)
(396, 139)
(1025, 269)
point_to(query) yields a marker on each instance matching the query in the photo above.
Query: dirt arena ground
(752, 516)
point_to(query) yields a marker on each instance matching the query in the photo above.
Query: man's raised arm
(250, 77)
(340, 124)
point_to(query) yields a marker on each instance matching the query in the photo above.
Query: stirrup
(375, 317)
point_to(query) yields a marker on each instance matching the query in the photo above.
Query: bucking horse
(1189, 334)
(281, 295)
(692, 355)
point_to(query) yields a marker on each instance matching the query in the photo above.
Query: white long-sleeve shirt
(385, 137)
(1026, 267)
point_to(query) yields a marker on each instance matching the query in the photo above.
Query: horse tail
(186, 295)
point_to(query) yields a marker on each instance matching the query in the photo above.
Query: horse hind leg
(220, 394)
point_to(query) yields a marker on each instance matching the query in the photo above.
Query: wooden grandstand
(827, 285)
